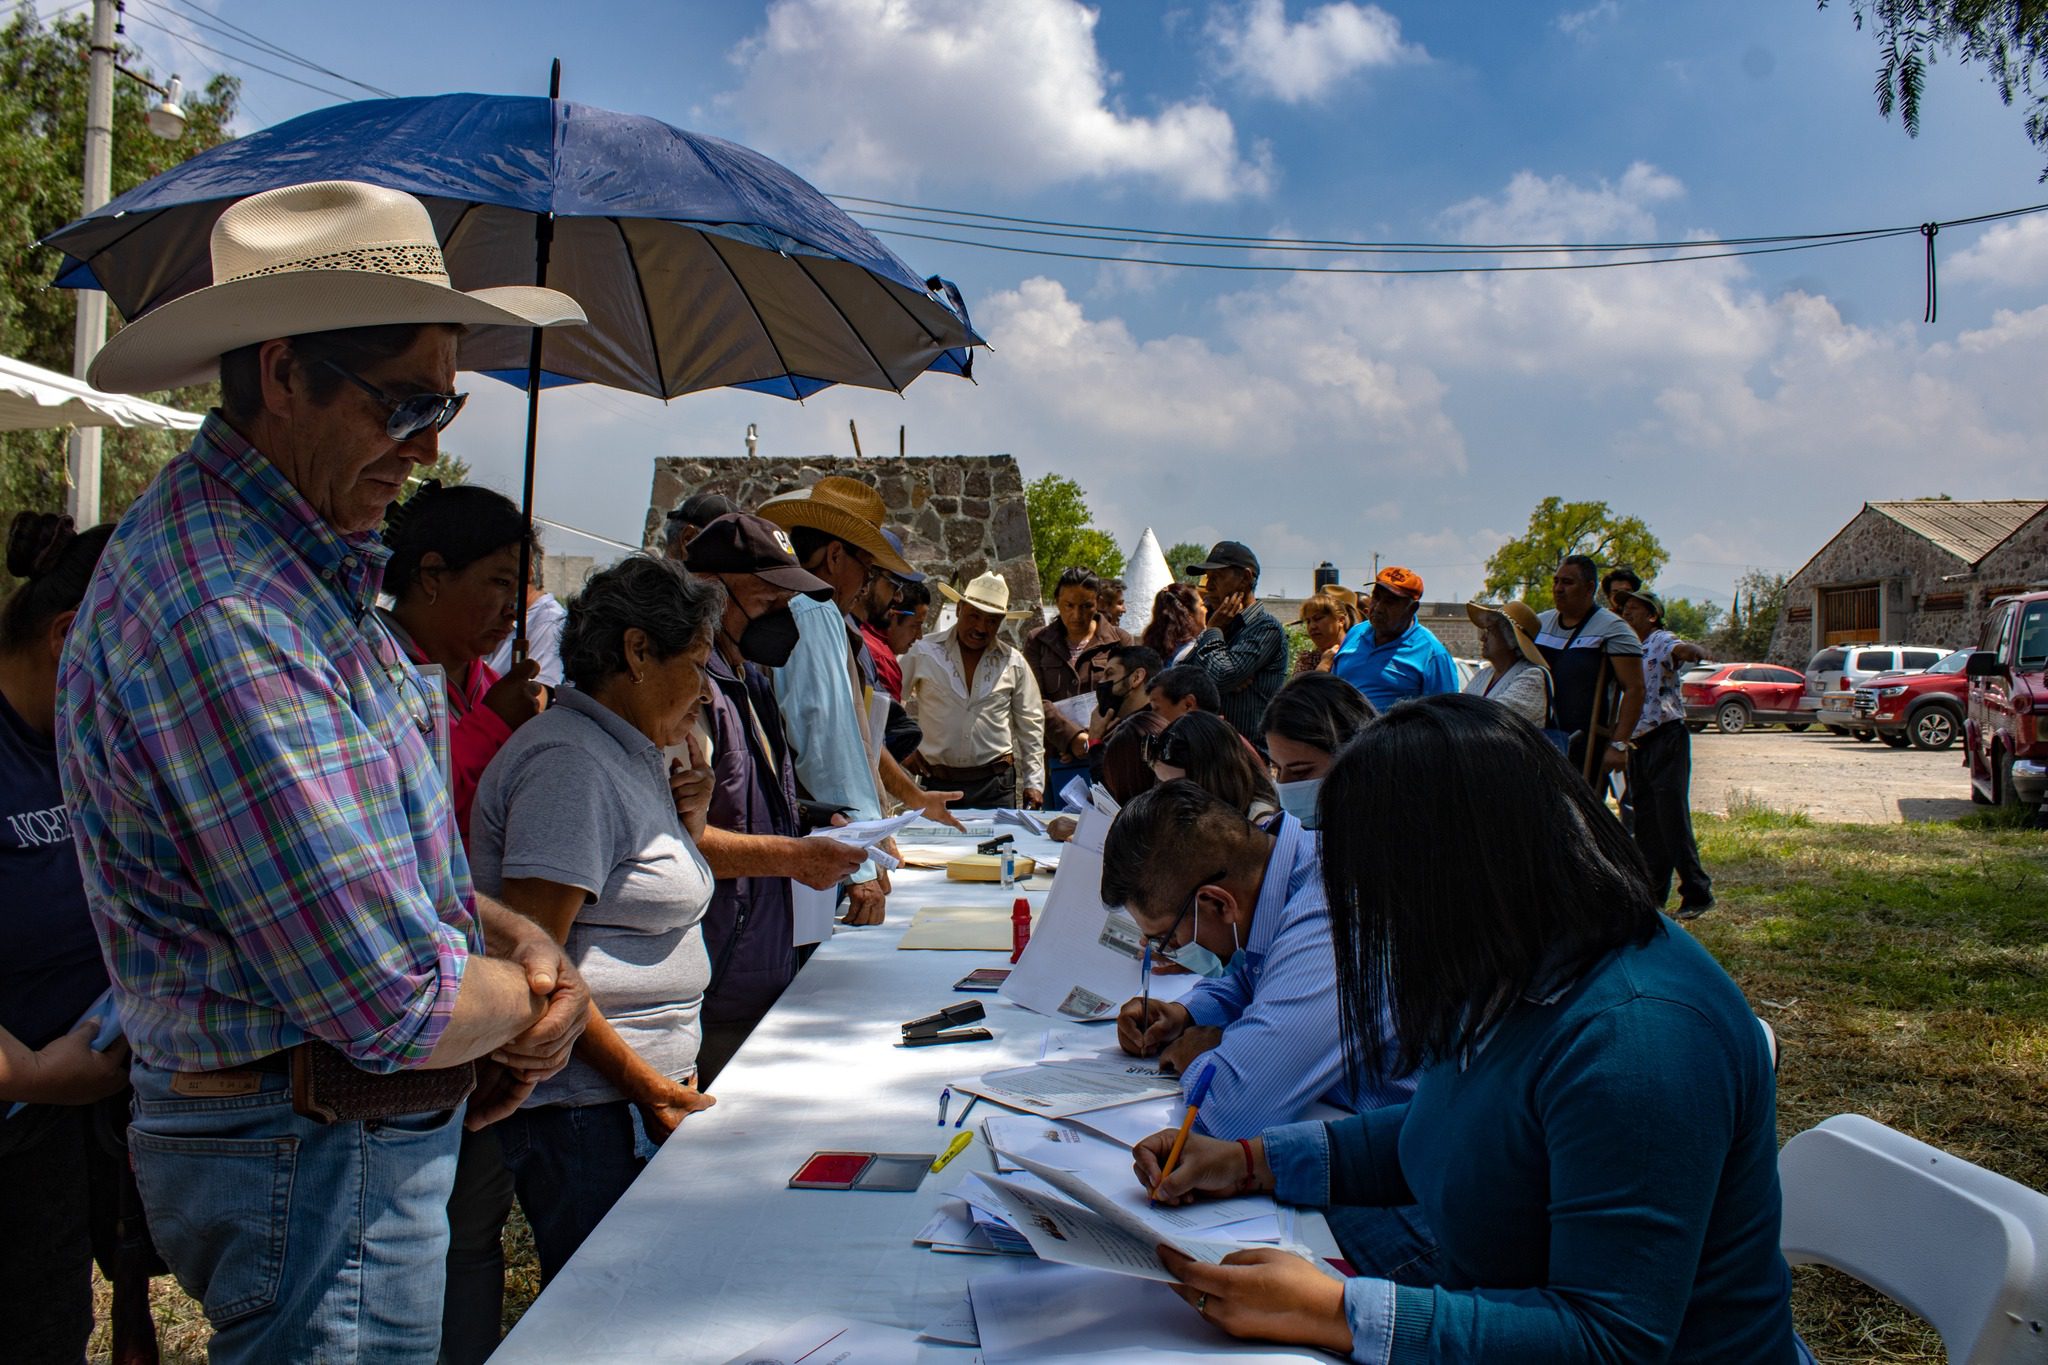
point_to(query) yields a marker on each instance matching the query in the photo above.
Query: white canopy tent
(33, 398)
(1145, 573)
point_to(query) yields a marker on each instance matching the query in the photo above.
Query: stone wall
(959, 515)
(1929, 596)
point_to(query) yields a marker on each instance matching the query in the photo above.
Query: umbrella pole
(543, 242)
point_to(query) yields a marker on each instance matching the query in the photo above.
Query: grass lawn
(1905, 971)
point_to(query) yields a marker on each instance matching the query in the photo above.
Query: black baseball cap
(738, 543)
(1227, 554)
(701, 509)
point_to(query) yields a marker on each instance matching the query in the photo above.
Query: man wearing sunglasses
(1240, 904)
(299, 960)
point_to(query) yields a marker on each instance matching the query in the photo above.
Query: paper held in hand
(1092, 1230)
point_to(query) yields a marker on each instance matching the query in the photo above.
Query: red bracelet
(1250, 1180)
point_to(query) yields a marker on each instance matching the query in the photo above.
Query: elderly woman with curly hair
(581, 825)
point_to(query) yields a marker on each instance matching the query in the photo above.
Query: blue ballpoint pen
(1145, 988)
(945, 1098)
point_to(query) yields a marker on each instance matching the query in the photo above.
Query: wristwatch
(1620, 744)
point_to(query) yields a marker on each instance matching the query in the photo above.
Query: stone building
(959, 515)
(1920, 572)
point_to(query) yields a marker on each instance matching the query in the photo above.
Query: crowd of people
(389, 903)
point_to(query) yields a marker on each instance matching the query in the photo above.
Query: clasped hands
(1267, 1293)
(510, 1073)
(1163, 1029)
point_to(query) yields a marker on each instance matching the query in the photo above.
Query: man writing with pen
(1242, 905)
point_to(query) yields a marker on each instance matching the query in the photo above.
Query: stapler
(945, 1026)
(995, 845)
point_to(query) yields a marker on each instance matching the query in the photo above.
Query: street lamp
(166, 120)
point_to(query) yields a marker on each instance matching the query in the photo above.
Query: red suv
(2006, 738)
(1734, 697)
(1925, 709)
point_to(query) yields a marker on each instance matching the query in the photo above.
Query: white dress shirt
(967, 727)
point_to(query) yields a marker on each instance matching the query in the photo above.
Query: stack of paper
(1063, 1313)
(958, 927)
(1055, 1091)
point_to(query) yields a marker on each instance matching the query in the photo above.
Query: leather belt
(942, 773)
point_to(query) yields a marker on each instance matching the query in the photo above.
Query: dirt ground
(1830, 777)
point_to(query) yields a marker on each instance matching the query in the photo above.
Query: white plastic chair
(1964, 1248)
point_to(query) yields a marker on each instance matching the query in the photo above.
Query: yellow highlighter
(959, 1145)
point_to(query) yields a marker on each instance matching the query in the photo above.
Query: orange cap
(1405, 582)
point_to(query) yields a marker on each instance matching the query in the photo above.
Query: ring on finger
(1202, 1304)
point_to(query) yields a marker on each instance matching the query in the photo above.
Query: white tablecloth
(709, 1252)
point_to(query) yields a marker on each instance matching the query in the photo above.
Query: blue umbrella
(700, 263)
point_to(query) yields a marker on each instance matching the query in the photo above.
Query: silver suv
(1833, 674)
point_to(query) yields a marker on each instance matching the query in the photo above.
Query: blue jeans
(571, 1163)
(302, 1241)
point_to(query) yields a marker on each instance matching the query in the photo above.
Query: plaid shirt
(268, 847)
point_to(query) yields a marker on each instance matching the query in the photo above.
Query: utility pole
(83, 502)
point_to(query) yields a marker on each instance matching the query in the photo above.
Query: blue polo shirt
(1412, 664)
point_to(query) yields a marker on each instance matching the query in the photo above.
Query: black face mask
(769, 638)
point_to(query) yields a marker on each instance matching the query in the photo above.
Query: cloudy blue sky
(1744, 408)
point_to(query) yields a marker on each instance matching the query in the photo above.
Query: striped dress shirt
(1277, 1006)
(269, 850)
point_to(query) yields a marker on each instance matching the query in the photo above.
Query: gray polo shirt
(579, 797)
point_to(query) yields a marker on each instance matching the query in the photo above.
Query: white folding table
(710, 1253)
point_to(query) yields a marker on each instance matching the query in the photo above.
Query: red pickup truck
(2006, 734)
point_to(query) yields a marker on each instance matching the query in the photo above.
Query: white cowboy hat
(990, 593)
(311, 258)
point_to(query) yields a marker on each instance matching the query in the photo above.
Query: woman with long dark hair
(1593, 1136)
(1204, 749)
(1065, 656)
(1178, 616)
(453, 578)
(1308, 721)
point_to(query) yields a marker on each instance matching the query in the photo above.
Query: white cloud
(886, 93)
(1297, 61)
(2013, 254)
(1578, 23)
(1327, 416)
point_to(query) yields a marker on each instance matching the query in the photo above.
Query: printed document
(1057, 1091)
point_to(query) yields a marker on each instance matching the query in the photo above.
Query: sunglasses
(410, 416)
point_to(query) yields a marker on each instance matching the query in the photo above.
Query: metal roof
(1967, 530)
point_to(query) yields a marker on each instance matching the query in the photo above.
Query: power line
(1697, 249)
(1193, 241)
(1240, 266)
(240, 60)
(234, 32)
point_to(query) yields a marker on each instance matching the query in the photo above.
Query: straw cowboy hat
(1520, 617)
(990, 592)
(311, 258)
(842, 507)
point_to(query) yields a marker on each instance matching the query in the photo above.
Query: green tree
(42, 153)
(2008, 38)
(1182, 553)
(1690, 620)
(1522, 567)
(449, 469)
(1062, 534)
(1746, 635)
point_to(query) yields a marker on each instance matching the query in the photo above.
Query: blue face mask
(1198, 959)
(1298, 799)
